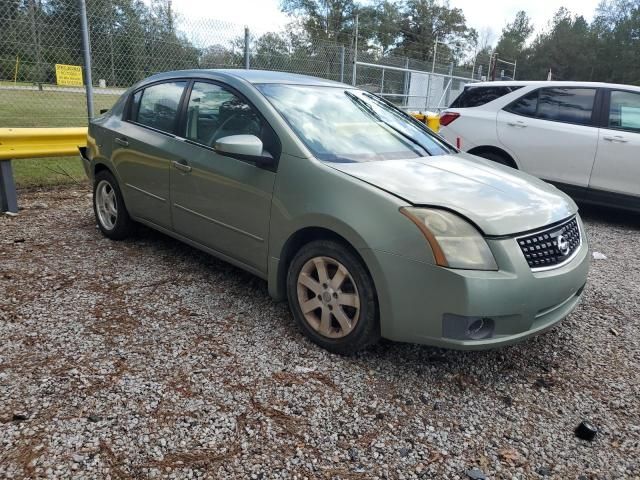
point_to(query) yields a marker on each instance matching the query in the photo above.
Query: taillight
(447, 117)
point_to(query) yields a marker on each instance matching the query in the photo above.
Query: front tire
(332, 297)
(108, 206)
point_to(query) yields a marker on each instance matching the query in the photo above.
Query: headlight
(455, 242)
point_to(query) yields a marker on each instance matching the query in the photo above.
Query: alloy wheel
(106, 204)
(328, 297)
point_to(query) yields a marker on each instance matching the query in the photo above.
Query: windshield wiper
(360, 102)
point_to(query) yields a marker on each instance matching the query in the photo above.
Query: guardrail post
(8, 196)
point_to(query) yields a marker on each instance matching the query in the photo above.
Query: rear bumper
(86, 163)
(451, 135)
(417, 300)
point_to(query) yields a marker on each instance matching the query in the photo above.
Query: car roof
(251, 76)
(552, 83)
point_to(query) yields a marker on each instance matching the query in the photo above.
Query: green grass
(41, 172)
(33, 108)
(10, 83)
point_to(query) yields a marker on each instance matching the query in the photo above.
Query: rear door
(617, 166)
(218, 201)
(144, 146)
(553, 133)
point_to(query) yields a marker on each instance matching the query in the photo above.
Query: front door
(617, 167)
(218, 201)
(552, 134)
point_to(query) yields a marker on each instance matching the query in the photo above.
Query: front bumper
(416, 298)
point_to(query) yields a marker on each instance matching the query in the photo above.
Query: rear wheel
(108, 206)
(332, 297)
(502, 159)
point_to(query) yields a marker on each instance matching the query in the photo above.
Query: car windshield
(349, 125)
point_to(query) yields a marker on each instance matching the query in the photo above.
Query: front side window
(624, 111)
(214, 112)
(558, 104)
(478, 96)
(158, 106)
(349, 125)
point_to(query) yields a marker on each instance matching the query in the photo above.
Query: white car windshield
(349, 125)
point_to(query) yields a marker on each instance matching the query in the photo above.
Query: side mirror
(103, 111)
(244, 147)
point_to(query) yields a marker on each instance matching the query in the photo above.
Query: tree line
(134, 38)
(130, 39)
(607, 48)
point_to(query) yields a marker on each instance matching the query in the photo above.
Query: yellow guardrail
(18, 143)
(41, 142)
(432, 120)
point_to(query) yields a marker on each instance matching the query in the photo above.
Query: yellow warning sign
(69, 75)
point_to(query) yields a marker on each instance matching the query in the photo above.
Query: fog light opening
(480, 329)
(467, 328)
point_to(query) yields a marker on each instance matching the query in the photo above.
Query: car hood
(499, 200)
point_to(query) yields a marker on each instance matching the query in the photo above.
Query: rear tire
(109, 208)
(332, 297)
(498, 158)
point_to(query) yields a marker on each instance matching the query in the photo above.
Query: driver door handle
(181, 165)
(121, 141)
(517, 124)
(616, 139)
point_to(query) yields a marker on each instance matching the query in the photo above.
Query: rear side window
(478, 96)
(558, 104)
(624, 111)
(570, 105)
(158, 106)
(526, 105)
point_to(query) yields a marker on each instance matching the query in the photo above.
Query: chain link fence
(131, 40)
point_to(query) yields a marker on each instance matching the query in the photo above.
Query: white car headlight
(455, 242)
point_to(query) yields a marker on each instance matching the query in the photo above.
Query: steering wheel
(221, 128)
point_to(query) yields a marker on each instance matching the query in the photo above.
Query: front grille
(551, 247)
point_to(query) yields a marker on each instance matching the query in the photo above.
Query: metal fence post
(86, 51)
(405, 87)
(355, 54)
(515, 64)
(428, 93)
(342, 63)
(246, 48)
(448, 92)
(429, 77)
(8, 196)
(36, 39)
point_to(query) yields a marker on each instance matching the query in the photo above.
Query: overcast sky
(265, 15)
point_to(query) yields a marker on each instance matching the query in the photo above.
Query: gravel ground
(147, 358)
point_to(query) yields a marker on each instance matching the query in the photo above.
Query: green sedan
(364, 220)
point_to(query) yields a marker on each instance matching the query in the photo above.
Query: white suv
(582, 137)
